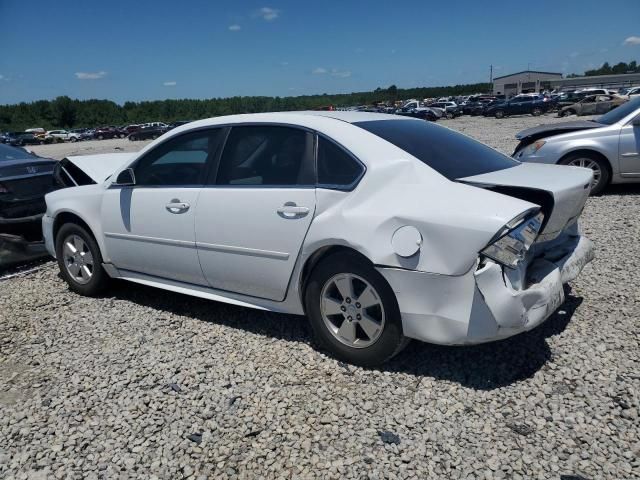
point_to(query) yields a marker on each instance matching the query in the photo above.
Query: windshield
(620, 112)
(449, 153)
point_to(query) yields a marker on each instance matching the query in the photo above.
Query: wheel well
(68, 217)
(586, 151)
(319, 255)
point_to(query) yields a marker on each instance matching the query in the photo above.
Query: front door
(629, 148)
(149, 227)
(252, 219)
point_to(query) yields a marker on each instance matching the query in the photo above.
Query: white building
(528, 81)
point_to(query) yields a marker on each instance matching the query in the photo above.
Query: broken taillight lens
(511, 247)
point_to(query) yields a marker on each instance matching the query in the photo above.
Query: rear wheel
(568, 113)
(499, 114)
(595, 163)
(353, 311)
(73, 139)
(80, 260)
(100, 137)
(536, 112)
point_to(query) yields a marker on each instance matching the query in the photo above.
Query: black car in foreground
(25, 179)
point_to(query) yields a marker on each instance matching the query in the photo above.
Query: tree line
(64, 112)
(606, 69)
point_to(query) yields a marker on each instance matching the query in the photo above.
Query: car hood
(100, 166)
(541, 131)
(561, 191)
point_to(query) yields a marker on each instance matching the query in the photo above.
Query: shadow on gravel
(622, 189)
(482, 367)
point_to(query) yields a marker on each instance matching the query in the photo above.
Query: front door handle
(291, 210)
(176, 206)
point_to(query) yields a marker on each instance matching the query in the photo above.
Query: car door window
(180, 161)
(336, 168)
(267, 156)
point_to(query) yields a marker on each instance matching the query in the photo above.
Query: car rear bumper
(483, 305)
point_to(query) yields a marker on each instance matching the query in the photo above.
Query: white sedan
(379, 228)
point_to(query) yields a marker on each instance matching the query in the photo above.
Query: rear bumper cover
(483, 305)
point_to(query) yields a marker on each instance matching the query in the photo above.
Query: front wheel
(353, 311)
(593, 162)
(536, 112)
(499, 114)
(80, 260)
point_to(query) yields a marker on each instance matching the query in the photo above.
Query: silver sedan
(609, 145)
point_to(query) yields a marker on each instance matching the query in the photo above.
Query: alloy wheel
(78, 259)
(352, 310)
(588, 163)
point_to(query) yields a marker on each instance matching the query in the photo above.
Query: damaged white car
(379, 228)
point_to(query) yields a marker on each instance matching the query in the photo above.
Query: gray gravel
(144, 383)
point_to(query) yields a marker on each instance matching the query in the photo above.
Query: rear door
(603, 104)
(588, 106)
(629, 148)
(252, 218)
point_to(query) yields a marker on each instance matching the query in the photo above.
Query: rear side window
(449, 153)
(336, 168)
(267, 156)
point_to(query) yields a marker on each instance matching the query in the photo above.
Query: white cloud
(319, 71)
(633, 40)
(90, 75)
(268, 13)
(235, 27)
(171, 83)
(340, 73)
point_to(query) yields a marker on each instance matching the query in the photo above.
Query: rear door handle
(291, 210)
(176, 206)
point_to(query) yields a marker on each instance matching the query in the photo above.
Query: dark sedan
(21, 138)
(520, 105)
(148, 133)
(25, 178)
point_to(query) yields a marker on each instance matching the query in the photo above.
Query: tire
(353, 344)
(536, 112)
(74, 139)
(100, 137)
(499, 114)
(595, 163)
(82, 270)
(568, 113)
(132, 138)
(154, 136)
(450, 115)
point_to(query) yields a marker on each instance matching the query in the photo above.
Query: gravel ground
(144, 383)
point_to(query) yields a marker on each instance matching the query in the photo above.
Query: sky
(157, 49)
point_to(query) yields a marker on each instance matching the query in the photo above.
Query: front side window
(180, 161)
(336, 168)
(449, 153)
(267, 156)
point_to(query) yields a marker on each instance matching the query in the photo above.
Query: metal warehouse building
(602, 81)
(528, 81)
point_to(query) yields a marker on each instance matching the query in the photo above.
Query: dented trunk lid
(561, 191)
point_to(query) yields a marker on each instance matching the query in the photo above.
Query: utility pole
(490, 73)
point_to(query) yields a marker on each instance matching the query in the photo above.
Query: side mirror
(126, 178)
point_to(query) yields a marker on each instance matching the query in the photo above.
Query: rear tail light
(514, 240)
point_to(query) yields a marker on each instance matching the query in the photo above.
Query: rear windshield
(8, 153)
(449, 153)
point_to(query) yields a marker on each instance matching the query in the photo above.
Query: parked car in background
(25, 178)
(345, 238)
(632, 92)
(21, 139)
(451, 109)
(63, 135)
(179, 123)
(108, 132)
(519, 105)
(608, 145)
(82, 133)
(593, 105)
(147, 133)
